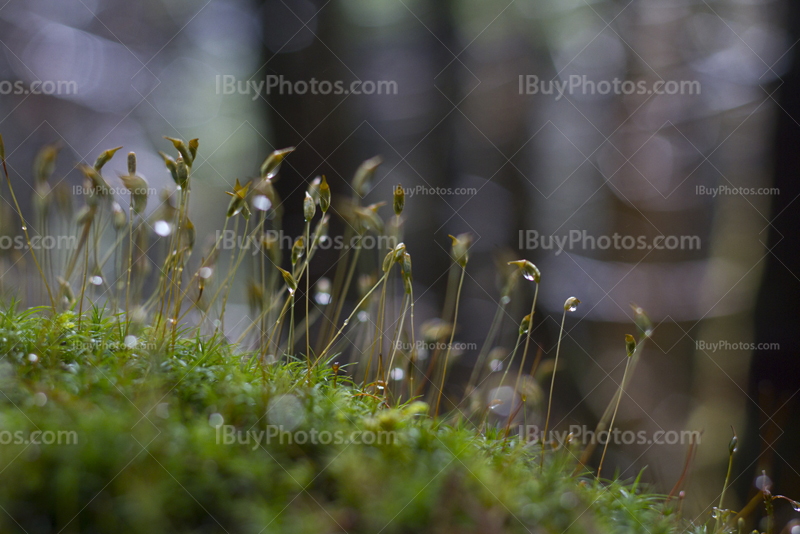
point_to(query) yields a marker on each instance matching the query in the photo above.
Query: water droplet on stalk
(571, 304)
(763, 481)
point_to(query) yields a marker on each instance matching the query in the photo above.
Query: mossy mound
(139, 437)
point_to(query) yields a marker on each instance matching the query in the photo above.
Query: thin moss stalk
(452, 334)
(25, 226)
(570, 305)
(630, 344)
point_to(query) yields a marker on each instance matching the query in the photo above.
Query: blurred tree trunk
(411, 130)
(772, 431)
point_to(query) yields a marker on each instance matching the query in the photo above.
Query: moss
(143, 434)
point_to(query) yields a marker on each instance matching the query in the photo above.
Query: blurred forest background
(604, 164)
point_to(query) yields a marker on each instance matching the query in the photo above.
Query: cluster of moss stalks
(125, 408)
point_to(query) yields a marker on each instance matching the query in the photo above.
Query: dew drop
(494, 404)
(397, 373)
(571, 304)
(216, 420)
(323, 294)
(33, 358)
(162, 228)
(568, 500)
(205, 272)
(40, 399)
(261, 203)
(96, 280)
(130, 342)
(162, 410)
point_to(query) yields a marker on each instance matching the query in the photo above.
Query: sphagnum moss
(165, 424)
